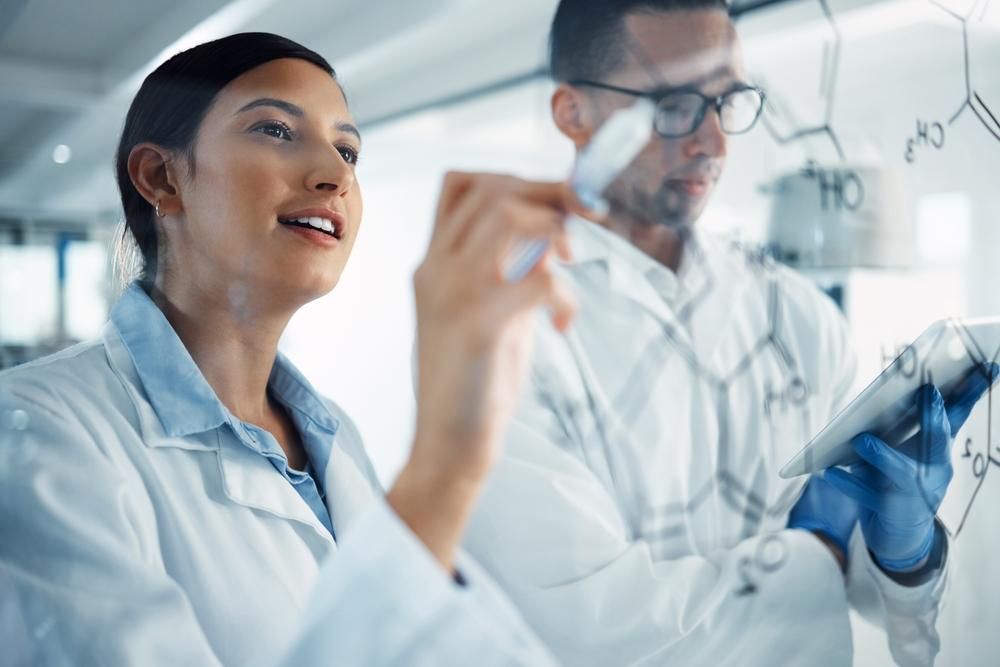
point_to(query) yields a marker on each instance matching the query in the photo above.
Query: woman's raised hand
(475, 335)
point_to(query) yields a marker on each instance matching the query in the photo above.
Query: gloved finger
(899, 468)
(870, 475)
(854, 488)
(931, 444)
(965, 396)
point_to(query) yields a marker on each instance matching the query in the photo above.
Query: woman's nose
(330, 172)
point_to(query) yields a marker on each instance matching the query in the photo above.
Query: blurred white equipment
(826, 221)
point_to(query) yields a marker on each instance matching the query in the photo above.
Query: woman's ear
(153, 173)
(571, 115)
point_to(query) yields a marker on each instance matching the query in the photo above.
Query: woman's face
(274, 157)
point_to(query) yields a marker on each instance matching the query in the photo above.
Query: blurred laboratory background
(875, 170)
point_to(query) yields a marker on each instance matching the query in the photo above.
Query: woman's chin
(313, 285)
(280, 294)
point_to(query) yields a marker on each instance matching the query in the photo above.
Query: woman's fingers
(492, 238)
(475, 339)
(477, 195)
(454, 186)
(539, 288)
(467, 200)
(560, 195)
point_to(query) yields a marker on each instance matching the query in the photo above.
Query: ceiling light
(61, 154)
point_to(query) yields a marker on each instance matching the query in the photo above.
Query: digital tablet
(944, 355)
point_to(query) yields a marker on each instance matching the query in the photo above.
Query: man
(637, 515)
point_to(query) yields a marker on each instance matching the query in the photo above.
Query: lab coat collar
(630, 272)
(593, 243)
(250, 480)
(245, 476)
(699, 293)
(177, 408)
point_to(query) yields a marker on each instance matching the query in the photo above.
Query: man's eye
(679, 104)
(275, 129)
(349, 154)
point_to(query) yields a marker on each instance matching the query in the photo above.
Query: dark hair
(585, 40)
(170, 106)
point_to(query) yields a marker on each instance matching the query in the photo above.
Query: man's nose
(708, 138)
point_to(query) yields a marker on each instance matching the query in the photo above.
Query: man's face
(669, 183)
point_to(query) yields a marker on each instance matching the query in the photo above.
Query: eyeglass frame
(715, 101)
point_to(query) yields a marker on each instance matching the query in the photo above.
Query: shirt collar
(293, 390)
(593, 243)
(181, 397)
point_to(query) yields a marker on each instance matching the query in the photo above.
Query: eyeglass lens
(678, 114)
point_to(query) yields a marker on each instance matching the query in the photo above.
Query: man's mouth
(330, 227)
(693, 187)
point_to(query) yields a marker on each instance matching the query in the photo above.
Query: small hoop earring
(157, 209)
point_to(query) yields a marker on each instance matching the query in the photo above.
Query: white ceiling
(68, 70)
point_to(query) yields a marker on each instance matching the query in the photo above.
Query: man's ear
(153, 172)
(572, 115)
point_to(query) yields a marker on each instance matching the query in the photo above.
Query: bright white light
(943, 227)
(61, 154)
(86, 289)
(27, 294)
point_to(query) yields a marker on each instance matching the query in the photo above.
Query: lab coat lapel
(245, 477)
(349, 490)
(709, 298)
(633, 285)
(250, 480)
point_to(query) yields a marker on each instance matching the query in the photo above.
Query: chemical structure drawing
(767, 368)
(930, 135)
(802, 117)
(974, 450)
(770, 554)
(787, 124)
(840, 189)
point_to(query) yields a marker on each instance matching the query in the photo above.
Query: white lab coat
(637, 516)
(121, 545)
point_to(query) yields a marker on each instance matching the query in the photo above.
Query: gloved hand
(900, 490)
(825, 510)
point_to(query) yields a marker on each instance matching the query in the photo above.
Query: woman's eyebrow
(349, 129)
(295, 110)
(287, 107)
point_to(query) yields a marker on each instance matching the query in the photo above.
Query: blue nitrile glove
(824, 509)
(900, 490)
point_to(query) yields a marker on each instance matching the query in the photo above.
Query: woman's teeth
(318, 223)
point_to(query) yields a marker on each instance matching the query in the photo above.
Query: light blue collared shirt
(186, 404)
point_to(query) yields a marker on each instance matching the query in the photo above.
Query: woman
(180, 490)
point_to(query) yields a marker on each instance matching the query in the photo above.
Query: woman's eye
(349, 154)
(276, 130)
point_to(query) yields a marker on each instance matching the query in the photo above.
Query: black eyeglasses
(680, 111)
